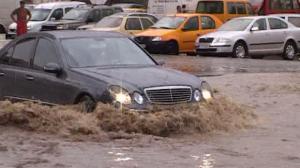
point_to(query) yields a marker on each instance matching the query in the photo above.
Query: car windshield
(109, 22)
(104, 52)
(39, 14)
(169, 22)
(76, 14)
(235, 25)
(213, 7)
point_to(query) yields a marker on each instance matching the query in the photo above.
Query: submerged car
(127, 23)
(69, 67)
(177, 33)
(252, 36)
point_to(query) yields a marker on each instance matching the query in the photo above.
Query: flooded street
(273, 142)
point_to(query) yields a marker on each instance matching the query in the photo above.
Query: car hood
(224, 34)
(64, 22)
(138, 78)
(155, 32)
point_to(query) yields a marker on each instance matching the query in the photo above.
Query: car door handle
(29, 77)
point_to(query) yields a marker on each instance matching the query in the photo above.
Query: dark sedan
(86, 67)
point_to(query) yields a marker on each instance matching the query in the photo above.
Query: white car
(254, 36)
(43, 13)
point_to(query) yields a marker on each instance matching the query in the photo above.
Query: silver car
(252, 36)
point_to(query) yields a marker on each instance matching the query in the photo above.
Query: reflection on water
(207, 161)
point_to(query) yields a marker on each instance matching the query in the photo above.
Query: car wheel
(172, 48)
(290, 51)
(240, 50)
(87, 104)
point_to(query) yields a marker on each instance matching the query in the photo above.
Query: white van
(43, 13)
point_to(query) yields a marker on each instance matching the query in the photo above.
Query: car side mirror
(254, 29)
(161, 63)
(53, 68)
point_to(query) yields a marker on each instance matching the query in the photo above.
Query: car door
(133, 25)
(277, 34)
(20, 60)
(7, 75)
(258, 40)
(49, 87)
(189, 34)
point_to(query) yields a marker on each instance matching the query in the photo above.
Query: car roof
(188, 14)
(127, 14)
(286, 14)
(51, 5)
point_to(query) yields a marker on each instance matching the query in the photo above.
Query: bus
(266, 7)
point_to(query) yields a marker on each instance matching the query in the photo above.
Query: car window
(45, 53)
(152, 18)
(4, 59)
(241, 8)
(281, 4)
(261, 24)
(249, 9)
(192, 24)
(231, 8)
(212, 7)
(295, 21)
(68, 9)
(277, 24)
(296, 4)
(118, 10)
(207, 22)
(146, 23)
(107, 12)
(133, 24)
(23, 52)
(57, 14)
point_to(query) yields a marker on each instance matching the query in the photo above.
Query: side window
(295, 21)
(281, 4)
(207, 22)
(296, 4)
(68, 9)
(261, 24)
(4, 59)
(146, 23)
(192, 24)
(107, 12)
(96, 15)
(23, 52)
(153, 19)
(118, 10)
(249, 9)
(57, 14)
(277, 24)
(45, 53)
(133, 24)
(241, 8)
(231, 8)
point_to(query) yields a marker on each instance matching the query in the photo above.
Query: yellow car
(177, 33)
(127, 23)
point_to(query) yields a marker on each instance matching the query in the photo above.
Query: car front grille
(143, 39)
(169, 94)
(206, 40)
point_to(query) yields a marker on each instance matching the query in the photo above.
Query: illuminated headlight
(157, 39)
(120, 95)
(197, 95)
(206, 91)
(138, 98)
(221, 41)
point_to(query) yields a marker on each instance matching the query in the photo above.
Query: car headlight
(221, 41)
(206, 91)
(157, 39)
(197, 95)
(120, 95)
(138, 98)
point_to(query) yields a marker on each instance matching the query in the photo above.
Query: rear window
(212, 7)
(295, 21)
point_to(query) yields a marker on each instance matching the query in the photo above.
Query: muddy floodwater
(273, 142)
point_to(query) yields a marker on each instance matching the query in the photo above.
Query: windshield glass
(109, 22)
(39, 14)
(169, 22)
(76, 14)
(213, 7)
(235, 25)
(104, 52)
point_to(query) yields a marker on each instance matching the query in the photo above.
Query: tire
(172, 48)
(290, 51)
(87, 104)
(240, 50)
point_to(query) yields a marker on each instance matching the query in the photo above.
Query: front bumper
(208, 49)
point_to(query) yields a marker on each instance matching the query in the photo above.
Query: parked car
(225, 9)
(43, 13)
(252, 36)
(177, 33)
(131, 7)
(80, 17)
(67, 67)
(292, 18)
(127, 23)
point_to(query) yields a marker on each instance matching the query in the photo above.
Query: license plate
(204, 45)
